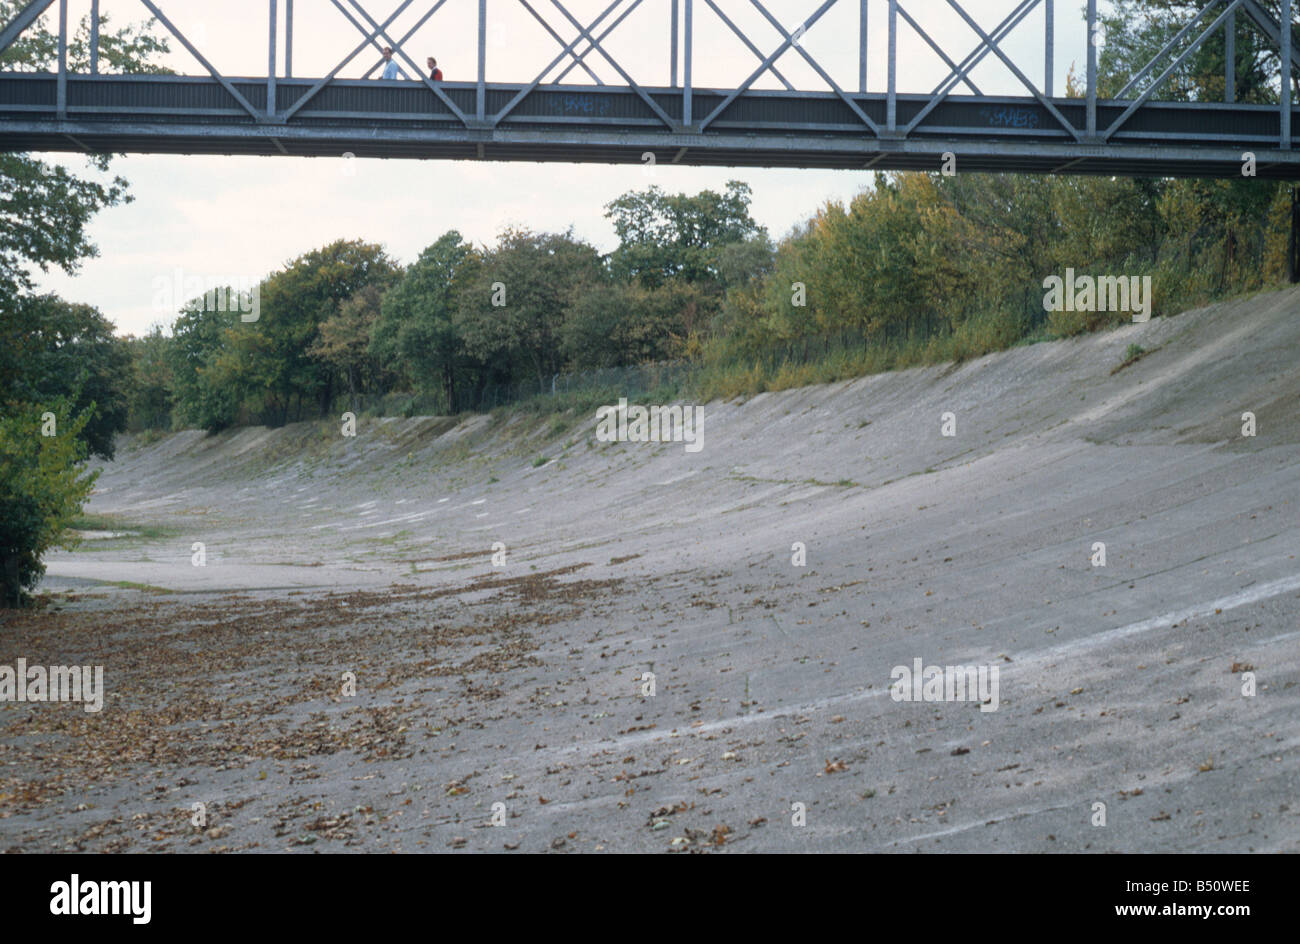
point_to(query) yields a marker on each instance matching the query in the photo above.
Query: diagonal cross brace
(748, 44)
(980, 52)
(937, 48)
(1178, 38)
(595, 44)
(1006, 60)
(764, 66)
(225, 83)
(1269, 27)
(321, 83)
(347, 14)
(844, 96)
(25, 18)
(437, 90)
(581, 57)
(971, 60)
(578, 60)
(566, 51)
(1151, 89)
(408, 34)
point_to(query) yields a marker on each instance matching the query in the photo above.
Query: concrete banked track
(522, 685)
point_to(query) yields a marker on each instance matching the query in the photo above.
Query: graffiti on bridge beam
(589, 105)
(1009, 116)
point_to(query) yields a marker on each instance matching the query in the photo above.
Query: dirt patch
(241, 680)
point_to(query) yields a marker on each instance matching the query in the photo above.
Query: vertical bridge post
(862, 47)
(272, 58)
(62, 100)
(480, 108)
(1092, 68)
(1049, 49)
(672, 45)
(892, 108)
(1286, 75)
(687, 118)
(1230, 58)
(94, 37)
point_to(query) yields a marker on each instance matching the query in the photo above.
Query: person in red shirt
(434, 72)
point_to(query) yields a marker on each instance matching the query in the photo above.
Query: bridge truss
(567, 112)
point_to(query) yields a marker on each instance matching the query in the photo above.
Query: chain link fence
(666, 379)
(614, 382)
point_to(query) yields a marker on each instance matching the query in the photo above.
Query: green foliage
(50, 348)
(621, 324)
(537, 275)
(461, 327)
(678, 236)
(130, 49)
(1132, 354)
(416, 325)
(42, 488)
(343, 340)
(44, 209)
(61, 370)
(271, 368)
(44, 212)
(1138, 29)
(269, 359)
(201, 397)
(922, 268)
(151, 401)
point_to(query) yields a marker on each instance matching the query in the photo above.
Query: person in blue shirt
(390, 69)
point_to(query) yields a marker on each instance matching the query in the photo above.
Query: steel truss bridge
(569, 113)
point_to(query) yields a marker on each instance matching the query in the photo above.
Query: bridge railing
(583, 52)
(669, 110)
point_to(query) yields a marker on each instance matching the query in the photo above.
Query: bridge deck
(603, 124)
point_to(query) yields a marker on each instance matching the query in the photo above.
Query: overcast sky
(239, 218)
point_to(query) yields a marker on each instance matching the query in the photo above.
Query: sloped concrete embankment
(1119, 684)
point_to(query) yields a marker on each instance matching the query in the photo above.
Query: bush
(42, 488)
(1068, 324)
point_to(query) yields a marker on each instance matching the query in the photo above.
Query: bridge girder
(549, 119)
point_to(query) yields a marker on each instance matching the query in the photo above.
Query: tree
(417, 321)
(269, 361)
(741, 263)
(1223, 229)
(151, 387)
(51, 349)
(344, 339)
(511, 312)
(131, 49)
(44, 212)
(611, 323)
(202, 399)
(1136, 30)
(678, 236)
(62, 375)
(44, 209)
(42, 487)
